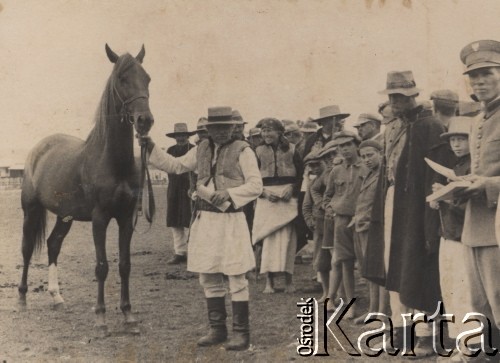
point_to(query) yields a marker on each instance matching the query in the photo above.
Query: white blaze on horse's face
(132, 87)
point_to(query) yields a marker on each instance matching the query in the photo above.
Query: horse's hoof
(132, 327)
(102, 331)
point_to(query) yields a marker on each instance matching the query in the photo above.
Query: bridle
(124, 112)
(126, 115)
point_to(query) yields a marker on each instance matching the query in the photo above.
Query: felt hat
(367, 117)
(328, 112)
(445, 96)
(237, 117)
(371, 143)
(402, 83)
(309, 127)
(202, 124)
(221, 116)
(180, 129)
(480, 54)
(345, 136)
(459, 125)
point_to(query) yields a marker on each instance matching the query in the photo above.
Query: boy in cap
(323, 260)
(342, 189)
(371, 154)
(482, 60)
(453, 276)
(254, 137)
(219, 242)
(178, 202)
(314, 218)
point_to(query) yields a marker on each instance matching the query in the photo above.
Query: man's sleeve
(252, 188)
(169, 164)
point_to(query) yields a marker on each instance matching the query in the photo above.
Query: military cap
(480, 54)
(367, 117)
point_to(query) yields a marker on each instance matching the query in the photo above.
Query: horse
(92, 180)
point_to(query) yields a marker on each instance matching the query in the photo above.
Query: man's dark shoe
(177, 259)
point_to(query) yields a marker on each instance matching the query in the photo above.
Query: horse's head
(130, 85)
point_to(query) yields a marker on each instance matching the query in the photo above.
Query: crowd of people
(362, 197)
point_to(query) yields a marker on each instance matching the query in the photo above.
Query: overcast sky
(266, 58)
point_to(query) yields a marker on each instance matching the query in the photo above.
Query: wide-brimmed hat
(237, 117)
(367, 117)
(180, 129)
(309, 127)
(480, 54)
(459, 125)
(329, 147)
(332, 111)
(402, 83)
(202, 124)
(345, 136)
(221, 116)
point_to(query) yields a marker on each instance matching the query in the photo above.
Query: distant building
(16, 171)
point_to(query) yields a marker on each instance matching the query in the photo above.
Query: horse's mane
(107, 107)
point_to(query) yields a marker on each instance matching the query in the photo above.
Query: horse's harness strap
(125, 115)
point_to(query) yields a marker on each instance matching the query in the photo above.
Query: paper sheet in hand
(449, 173)
(448, 191)
(206, 192)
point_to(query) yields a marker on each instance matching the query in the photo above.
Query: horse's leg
(125, 236)
(100, 221)
(54, 243)
(33, 230)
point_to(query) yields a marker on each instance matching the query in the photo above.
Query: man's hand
(219, 197)
(478, 187)
(434, 204)
(146, 141)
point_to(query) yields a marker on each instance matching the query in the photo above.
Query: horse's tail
(39, 214)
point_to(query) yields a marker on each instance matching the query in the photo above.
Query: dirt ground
(166, 299)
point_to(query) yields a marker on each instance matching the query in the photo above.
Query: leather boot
(240, 340)
(217, 315)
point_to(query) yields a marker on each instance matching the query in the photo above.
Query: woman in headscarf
(277, 208)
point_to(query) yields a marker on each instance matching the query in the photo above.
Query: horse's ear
(113, 57)
(141, 54)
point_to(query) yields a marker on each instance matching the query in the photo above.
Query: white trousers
(180, 239)
(213, 285)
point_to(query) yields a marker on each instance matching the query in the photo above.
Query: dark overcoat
(413, 263)
(178, 202)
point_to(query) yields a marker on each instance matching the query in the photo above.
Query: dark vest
(276, 163)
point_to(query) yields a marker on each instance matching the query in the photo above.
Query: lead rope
(150, 210)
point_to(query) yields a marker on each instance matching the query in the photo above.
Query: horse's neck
(114, 147)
